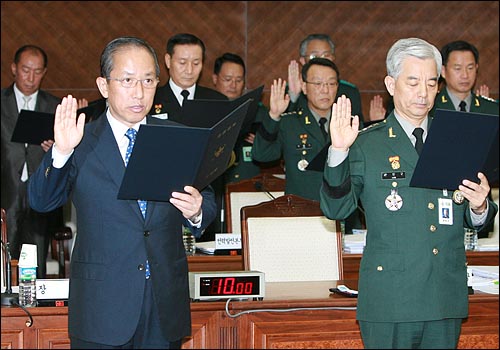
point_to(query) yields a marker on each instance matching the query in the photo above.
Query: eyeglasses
(318, 85)
(327, 55)
(148, 83)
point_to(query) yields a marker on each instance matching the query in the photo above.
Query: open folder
(33, 127)
(166, 158)
(207, 113)
(457, 147)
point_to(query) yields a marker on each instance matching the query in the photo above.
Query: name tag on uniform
(445, 211)
(394, 175)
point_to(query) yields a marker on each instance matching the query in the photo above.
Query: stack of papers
(488, 244)
(483, 278)
(355, 243)
(206, 247)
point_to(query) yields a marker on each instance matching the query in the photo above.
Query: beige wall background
(265, 34)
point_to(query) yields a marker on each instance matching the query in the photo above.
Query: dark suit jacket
(413, 268)
(166, 102)
(14, 155)
(114, 241)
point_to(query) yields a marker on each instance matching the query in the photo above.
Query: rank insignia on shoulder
(443, 99)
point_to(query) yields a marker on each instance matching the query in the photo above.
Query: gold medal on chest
(458, 197)
(394, 160)
(393, 201)
(302, 164)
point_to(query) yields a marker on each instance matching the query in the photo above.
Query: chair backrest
(260, 188)
(289, 239)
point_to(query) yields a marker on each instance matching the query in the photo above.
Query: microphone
(8, 298)
(259, 186)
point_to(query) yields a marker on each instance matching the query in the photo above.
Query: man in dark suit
(413, 274)
(129, 272)
(184, 60)
(20, 160)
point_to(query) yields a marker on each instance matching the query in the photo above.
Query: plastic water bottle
(27, 286)
(470, 239)
(189, 241)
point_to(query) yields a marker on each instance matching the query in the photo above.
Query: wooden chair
(289, 239)
(260, 188)
(59, 255)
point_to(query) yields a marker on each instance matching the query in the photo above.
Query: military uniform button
(394, 184)
(430, 206)
(432, 228)
(236, 176)
(380, 268)
(435, 251)
(140, 267)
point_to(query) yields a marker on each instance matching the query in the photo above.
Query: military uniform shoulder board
(289, 114)
(374, 126)
(487, 98)
(347, 83)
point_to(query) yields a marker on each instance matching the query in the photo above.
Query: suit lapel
(107, 152)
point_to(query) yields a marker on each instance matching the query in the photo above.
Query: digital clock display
(214, 285)
(227, 286)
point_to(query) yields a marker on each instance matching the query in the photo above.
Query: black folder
(33, 127)
(319, 161)
(93, 110)
(166, 158)
(206, 113)
(457, 147)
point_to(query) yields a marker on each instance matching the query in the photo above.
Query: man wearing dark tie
(184, 60)
(460, 67)
(20, 160)
(129, 273)
(413, 275)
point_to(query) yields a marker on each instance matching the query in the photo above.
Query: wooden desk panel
(318, 320)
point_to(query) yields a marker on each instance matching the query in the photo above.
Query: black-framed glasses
(320, 84)
(148, 83)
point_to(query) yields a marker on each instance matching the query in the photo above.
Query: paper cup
(28, 257)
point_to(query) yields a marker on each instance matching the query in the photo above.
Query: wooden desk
(315, 324)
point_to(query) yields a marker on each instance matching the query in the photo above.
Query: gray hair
(118, 44)
(404, 48)
(311, 37)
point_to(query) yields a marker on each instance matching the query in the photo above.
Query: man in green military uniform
(413, 279)
(297, 135)
(319, 46)
(460, 66)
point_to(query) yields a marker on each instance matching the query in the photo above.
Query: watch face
(228, 286)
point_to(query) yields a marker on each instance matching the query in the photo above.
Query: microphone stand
(8, 298)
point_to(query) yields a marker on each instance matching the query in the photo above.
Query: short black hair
(33, 48)
(320, 62)
(228, 57)
(184, 39)
(458, 45)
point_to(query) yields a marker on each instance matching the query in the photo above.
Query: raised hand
(68, 132)
(279, 101)
(294, 80)
(343, 126)
(483, 90)
(377, 110)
